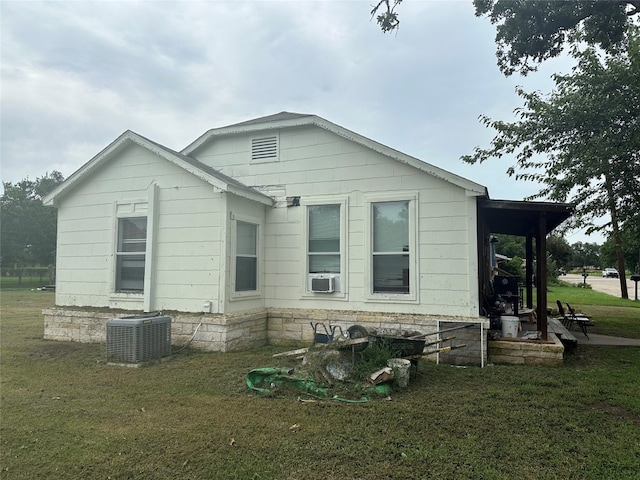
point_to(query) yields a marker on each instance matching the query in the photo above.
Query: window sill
(341, 296)
(389, 298)
(237, 296)
(122, 297)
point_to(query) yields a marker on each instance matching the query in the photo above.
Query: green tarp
(267, 380)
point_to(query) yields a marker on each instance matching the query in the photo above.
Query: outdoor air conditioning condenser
(138, 339)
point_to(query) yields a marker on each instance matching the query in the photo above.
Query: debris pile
(349, 366)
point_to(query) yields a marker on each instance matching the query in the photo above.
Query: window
(246, 257)
(131, 254)
(325, 265)
(324, 238)
(391, 247)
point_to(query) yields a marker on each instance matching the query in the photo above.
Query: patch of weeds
(373, 358)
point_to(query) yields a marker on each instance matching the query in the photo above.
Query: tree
(559, 250)
(514, 267)
(585, 254)
(511, 246)
(631, 251)
(28, 228)
(531, 31)
(535, 30)
(589, 130)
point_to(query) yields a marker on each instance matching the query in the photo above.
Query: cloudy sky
(75, 75)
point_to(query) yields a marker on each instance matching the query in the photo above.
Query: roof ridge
(284, 115)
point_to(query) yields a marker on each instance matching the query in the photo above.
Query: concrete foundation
(526, 352)
(250, 329)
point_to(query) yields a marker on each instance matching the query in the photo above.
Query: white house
(258, 228)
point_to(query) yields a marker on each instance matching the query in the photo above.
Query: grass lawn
(612, 315)
(68, 415)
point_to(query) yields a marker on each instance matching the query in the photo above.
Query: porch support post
(541, 274)
(529, 269)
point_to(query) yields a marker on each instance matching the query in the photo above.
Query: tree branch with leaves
(528, 32)
(582, 141)
(28, 228)
(386, 15)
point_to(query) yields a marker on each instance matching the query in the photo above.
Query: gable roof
(190, 164)
(288, 120)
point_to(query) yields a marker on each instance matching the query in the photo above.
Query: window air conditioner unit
(323, 284)
(138, 339)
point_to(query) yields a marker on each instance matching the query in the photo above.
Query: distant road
(610, 286)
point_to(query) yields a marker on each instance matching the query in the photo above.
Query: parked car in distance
(562, 271)
(610, 273)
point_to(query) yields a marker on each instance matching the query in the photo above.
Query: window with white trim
(391, 247)
(131, 254)
(324, 238)
(246, 257)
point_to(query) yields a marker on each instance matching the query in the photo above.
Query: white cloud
(77, 74)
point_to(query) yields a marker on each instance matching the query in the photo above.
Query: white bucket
(400, 368)
(510, 326)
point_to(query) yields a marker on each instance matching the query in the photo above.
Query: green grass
(68, 415)
(24, 282)
(612, 315)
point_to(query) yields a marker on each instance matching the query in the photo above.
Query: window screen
(390, 247)
(324, 238)
(246, 257)
(130, 256)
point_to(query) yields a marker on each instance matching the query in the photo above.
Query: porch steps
(565, 336)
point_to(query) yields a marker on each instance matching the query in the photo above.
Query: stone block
(293, 327)
(292, 336)
(257, 329)
(275, 323)
(506, 359)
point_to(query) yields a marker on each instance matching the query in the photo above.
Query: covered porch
(534, 221)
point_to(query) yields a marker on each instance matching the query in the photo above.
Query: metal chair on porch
(568, 319)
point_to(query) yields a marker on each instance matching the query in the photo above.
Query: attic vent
(264, 149)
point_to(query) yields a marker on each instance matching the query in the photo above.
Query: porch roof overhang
(512, 217)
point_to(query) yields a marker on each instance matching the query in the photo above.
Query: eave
(189, 164)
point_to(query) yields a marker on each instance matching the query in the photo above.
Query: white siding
(316, 163)
(193, 260)
(188, 236)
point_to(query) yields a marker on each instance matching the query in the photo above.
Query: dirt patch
(51, 350)
(618, 412)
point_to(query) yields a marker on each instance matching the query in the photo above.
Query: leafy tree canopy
(560, 251)
(585, 254)
(28, 228)
(581, 142)
(531, 31)
(510, 246)
(631, 251)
